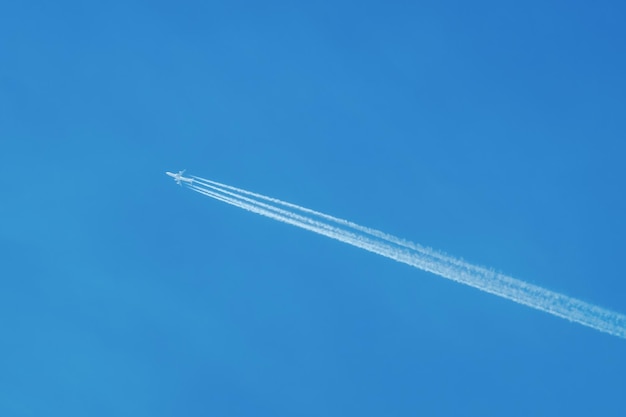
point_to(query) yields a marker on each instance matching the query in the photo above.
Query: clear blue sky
(491, 130)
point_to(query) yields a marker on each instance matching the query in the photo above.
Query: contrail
(420, 257)
(373, 232)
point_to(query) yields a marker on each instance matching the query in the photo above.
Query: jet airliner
(179, 177)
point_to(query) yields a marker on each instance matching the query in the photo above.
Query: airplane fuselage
(179, 177)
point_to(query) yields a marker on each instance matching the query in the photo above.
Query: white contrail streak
(420, 257)
(373, 232)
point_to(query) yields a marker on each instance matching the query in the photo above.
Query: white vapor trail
(373, 232)
(418, 256)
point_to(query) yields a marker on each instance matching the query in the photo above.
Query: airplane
(179, 177)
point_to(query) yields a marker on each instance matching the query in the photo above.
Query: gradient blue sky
(491, 130)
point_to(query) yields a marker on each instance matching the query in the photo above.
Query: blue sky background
(491, 130)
